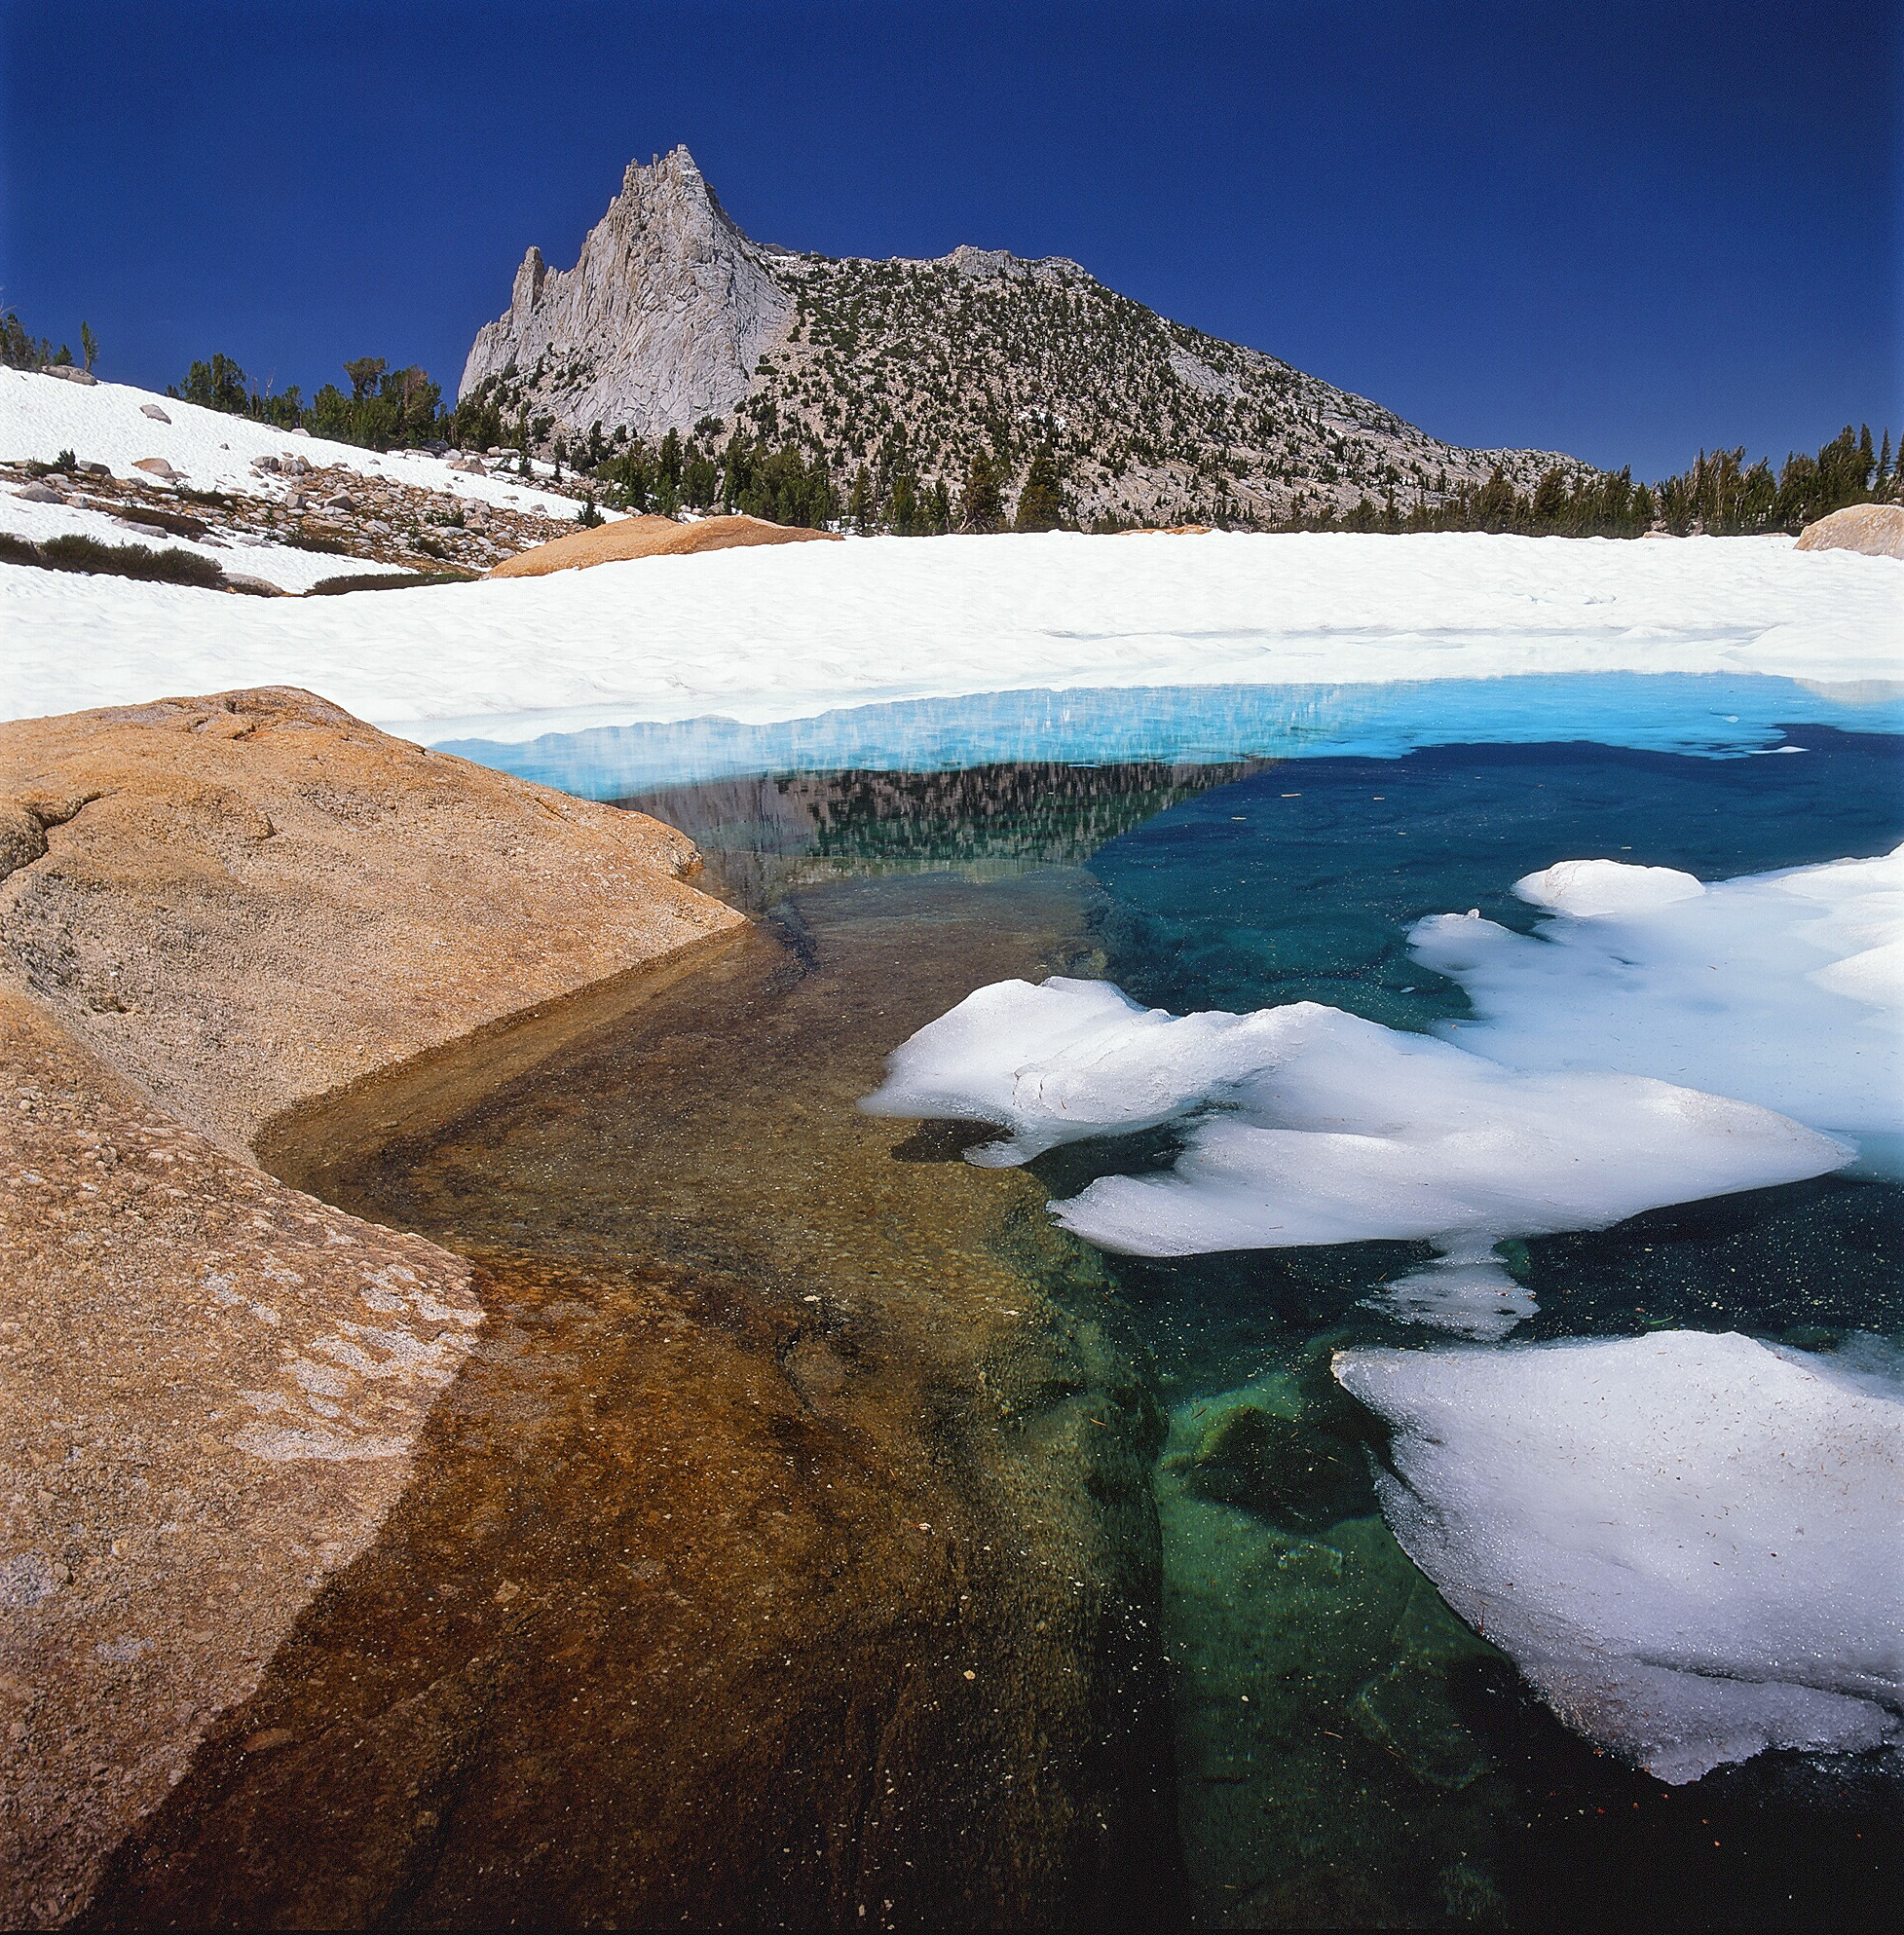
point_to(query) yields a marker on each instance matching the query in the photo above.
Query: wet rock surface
(213, 911)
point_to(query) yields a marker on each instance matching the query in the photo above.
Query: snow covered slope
(788, 632)
(105, 423)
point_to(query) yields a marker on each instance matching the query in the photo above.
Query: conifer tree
(980, 506)
(859, 504)
(1040, 507)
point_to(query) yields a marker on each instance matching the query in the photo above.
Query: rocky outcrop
(652, 538)
(213, 912)
(671, 316)
(250, 901)
(660, 323)
(1874, 530)
(212, 1385)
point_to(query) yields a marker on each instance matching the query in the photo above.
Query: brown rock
(251, 900)
(1874, 530)
(212, 1385)
(153, 466)
(652, 538)
(214, 1382)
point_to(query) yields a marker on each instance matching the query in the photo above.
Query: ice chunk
(1606, 886)
(1689, 1544)
(1781, 988)
(1310, 1125)
(1067, 1061)
(1467, 1289)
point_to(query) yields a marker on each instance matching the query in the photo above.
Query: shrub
(331, 587)
(167, 567)
(87, 554)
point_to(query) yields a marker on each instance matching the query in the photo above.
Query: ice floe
(1782, 988)
(1689, 1544)
(1305, 1125)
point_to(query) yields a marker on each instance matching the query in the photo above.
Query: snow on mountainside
(671, 316)
(290, 510)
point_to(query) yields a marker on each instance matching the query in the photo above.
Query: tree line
(1718, 496)
(387, 408)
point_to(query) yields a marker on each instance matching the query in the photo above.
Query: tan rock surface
(213, 911)
(211, 1382)
(653, 537)
(250, 901)
(1874, 530)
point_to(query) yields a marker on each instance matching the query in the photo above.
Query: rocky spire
(660, 323)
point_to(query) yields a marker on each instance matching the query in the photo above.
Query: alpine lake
(1318, 1740)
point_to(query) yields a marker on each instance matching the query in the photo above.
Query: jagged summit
(672, 315)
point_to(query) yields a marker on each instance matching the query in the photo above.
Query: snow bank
(1310, 1125)
(788, 632)
(1688, 1543)
(104, 423)
(1781, 988)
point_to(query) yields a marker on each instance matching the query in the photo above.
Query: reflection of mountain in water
(763, 837)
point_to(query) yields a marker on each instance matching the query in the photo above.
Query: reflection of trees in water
(763, 836)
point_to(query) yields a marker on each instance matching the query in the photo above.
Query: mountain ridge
(673, 319)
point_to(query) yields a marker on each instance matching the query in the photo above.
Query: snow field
(788, 632)
(1688, 1543)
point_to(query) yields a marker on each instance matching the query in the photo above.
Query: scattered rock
(155, 467)
(1873, 530)
(341, 502)
(39, 494)
(252, 587)
(95, 470)
(68, 373)
(153, 411)
(266, 463)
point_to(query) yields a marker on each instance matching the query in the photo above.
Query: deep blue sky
(1619, 230)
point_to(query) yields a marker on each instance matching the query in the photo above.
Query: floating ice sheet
(1688, 1543)
(1310, 1125)
(1781, 988)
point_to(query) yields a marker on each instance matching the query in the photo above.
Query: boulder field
(416, 1563)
